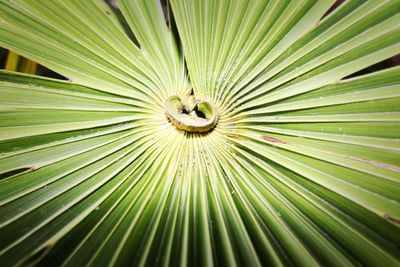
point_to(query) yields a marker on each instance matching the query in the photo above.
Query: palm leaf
(302, 167)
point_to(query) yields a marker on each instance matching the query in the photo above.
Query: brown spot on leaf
(36, 256)
(391, 219)
(371, 162)
(379, 164)
(272, 139)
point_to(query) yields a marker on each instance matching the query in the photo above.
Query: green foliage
(302, 168)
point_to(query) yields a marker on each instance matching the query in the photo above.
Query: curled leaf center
(190, 114)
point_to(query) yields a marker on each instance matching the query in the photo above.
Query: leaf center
(190, 114)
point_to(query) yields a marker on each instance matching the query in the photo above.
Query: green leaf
(300, 167)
